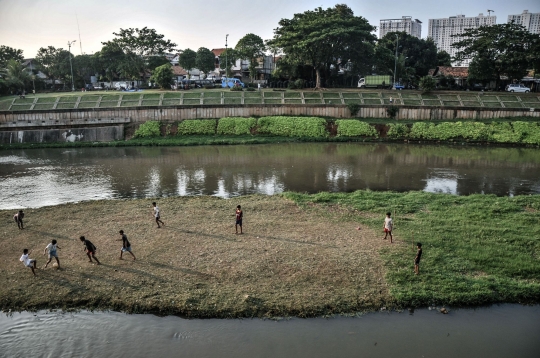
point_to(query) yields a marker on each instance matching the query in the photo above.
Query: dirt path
(289, 262)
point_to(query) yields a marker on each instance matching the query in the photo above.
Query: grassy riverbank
(301, 255)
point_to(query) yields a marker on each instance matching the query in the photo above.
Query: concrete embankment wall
(177, 113)
(93, 134)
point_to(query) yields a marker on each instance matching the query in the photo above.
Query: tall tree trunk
(318, 78)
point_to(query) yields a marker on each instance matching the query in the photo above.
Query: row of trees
(316, 45)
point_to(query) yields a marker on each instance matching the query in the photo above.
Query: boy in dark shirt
(19, 219)
(90, 249)
(239, 216)
(417, 258)
(126, 246)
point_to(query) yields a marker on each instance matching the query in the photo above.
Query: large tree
(205, 60)
(9, 53)
(137, 46)
(188, 59)
(444, 58)
(227, 59)
(54, 63)
(15, 75)
(496, 50)
(251, 47)
(321, 38)
(163, 76)
(415, 56)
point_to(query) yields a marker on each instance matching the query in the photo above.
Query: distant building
(405, 24)
(528, 20)
(441, 31)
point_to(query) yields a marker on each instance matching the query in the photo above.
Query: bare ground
(289, 262)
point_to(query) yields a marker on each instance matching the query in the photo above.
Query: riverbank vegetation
(300, 255)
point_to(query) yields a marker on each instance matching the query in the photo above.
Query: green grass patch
(212, 94)
(331, 95)
(293, 101)
(410, 95)
(191, 101)
(232, 94)
(42, 100)
(531, 104)
(129, 103)
(272, 101)
(23, 101)
(372, 101)
(44, 106)
(171, 102)
(89, 98)
(312, 95)
(429, 96)
(151, 96)
(432, 102)
(445, 97)
(250, 94)
(412, 102)
(463, 263)
(148, 129)
(65, 106)
(370, 95)
(110, 97)
(87, 104)
(469, 98)
(233, 100)
(312, 101)
(150, 102)
(108, 104)
(21, 107)
(213, 100)
(489, 98)
(292, 95)
(353, 100)
(512, 105)
(192, 95)
(452, 103)
(4, 105)
(508, 98)
(131, 97)
(252, 100)
(171, 95)
(470, 104)
(493, 104)
(352, 95)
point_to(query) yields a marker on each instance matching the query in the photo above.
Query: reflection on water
(39, 177)
(499, 331)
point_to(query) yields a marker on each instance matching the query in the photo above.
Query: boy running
(52, 252)
(31, 263)
(388, 224)
(90, 249)
(18, 219)
(417, 259)
(239, 216)
(156, 215)
(126, 246)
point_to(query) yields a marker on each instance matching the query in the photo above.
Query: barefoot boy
(90, 249)
(126, 246)
(157, 215)
(19, 219)
(52, 252)
(31, 263)
(417, 259)
(239, 216)
(388, 224)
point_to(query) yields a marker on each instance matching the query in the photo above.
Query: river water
(500, 331)
(41, 177)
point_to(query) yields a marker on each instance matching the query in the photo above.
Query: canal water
(41, 177)
(499, 331)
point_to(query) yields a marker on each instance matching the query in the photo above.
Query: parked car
(398, 86)
(231, 82)
(477, 87)
(517, 88)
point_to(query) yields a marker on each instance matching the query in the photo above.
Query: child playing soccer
(417, 259)
(52, 252)
(31, 263)
(157, 215)
(90, 249)
(126, 246)
(388, 224)
(19, 219)
(239, 216)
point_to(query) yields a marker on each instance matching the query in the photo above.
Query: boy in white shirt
(388, 225)
(52, 252)
(28, 262)
(157, 215)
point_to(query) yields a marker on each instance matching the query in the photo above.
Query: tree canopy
(163, 76)
(444, 59)
(54, 63)
(9, 53)
(250, 47)
(188, 59)
(205, 60)
(504, 49)
(321, 38)
(15, 75)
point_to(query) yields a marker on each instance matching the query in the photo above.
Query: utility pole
(395, 63)
(70, 65)
(226, 58)
(490, 11)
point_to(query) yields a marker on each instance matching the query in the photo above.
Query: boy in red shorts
(388, 225)
(90, 249)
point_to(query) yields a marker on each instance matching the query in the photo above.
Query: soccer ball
(55, 265)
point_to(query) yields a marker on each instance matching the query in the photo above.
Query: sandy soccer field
(289, 261)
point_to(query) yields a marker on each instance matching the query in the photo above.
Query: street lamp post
(226, 58)
(70, 65)
(395, 63)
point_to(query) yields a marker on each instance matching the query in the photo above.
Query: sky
(31, 24)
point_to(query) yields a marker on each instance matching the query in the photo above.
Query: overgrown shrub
(397, 131)
(355, 128)
(251, 89)
(235, 125)
(503, 133)
(529, 131)
(392, 111)
(293, 126)
(237, 88)
(197, 126)
(148, 129)
(353, 108)
(427, 84)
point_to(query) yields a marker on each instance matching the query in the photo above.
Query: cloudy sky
(31, 24)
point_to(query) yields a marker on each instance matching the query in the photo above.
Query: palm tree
(15, 75)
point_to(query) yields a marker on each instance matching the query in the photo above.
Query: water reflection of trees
(304, 167)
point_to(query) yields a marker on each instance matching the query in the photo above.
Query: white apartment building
(441, 31)
(528, 20)
(405, 24)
